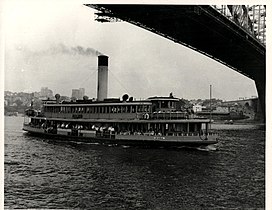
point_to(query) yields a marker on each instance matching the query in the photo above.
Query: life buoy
(146, 116)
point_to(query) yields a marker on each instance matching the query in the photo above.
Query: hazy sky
(54, 45)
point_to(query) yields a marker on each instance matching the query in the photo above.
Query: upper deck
(154, 108)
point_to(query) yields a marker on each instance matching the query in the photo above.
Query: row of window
(98, 109)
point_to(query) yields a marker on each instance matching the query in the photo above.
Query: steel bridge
(234, 35)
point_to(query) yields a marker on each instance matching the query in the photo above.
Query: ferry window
(133, 109)
(87, 110)
(113, 109)
(164, 104)
(128, 109)
(123, 109)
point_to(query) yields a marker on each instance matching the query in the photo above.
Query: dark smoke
(62, 49)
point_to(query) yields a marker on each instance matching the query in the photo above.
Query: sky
(55, 45)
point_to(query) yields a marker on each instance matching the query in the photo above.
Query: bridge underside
(203, 29)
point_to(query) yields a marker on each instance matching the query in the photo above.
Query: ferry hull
(136, 140)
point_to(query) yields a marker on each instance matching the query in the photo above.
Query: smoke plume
(62, 49)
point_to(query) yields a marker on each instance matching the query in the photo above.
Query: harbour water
(40, 173)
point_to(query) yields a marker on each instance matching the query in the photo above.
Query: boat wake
(207, 148)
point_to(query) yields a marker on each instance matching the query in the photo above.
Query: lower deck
(112, 137)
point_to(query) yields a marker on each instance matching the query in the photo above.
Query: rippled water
(40, 173)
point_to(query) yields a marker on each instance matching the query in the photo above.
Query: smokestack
(102, 84)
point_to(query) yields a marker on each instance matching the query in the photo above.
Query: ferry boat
(156, 121)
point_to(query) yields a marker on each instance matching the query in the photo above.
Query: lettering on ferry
(159, 138)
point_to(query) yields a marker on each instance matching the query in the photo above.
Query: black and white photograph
(145, 105)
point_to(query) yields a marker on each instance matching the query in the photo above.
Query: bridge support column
(260, 85)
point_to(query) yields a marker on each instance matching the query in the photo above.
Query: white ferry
(156, 121)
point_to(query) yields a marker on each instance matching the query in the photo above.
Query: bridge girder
(203, 29)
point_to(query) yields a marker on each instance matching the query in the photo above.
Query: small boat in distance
(156, 121)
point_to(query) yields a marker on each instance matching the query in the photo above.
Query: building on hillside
(221, 109)
(81, 93)
(78, 93)
(75, 93)
(46, 92)
(197, 108)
